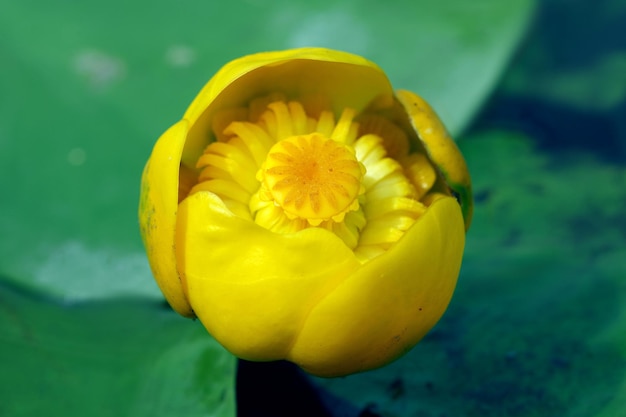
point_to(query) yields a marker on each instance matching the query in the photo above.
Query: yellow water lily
(303, 210)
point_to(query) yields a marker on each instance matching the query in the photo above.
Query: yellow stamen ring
(313, 177)
(276, 164)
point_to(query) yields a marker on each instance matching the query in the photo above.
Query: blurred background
(534, 92)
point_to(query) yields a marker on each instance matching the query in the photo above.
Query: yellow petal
(441, 149)
(297, 73)
(386, 307)
(157, 214)
(252, 288)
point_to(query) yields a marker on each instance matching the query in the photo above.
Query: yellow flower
(302, 210)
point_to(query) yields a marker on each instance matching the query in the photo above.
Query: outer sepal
(158, 210)
(441, 149)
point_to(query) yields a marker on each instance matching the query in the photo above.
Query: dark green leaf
(113, 358)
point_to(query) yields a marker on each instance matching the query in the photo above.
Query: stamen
(254, 137)
(345, 131)
(225, 118)
(395, 140)
(284, 121)
(258, 106)
(300, 125)
(420, 172)
(326, 124)
(231, 159)
(394, 204)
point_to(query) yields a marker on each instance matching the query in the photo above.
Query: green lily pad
(536, 325)
(82, 106)
(113, 358)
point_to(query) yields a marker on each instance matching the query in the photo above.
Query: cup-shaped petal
(385, 307)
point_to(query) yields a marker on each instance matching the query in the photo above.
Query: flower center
(312, 177)
(288, 166)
